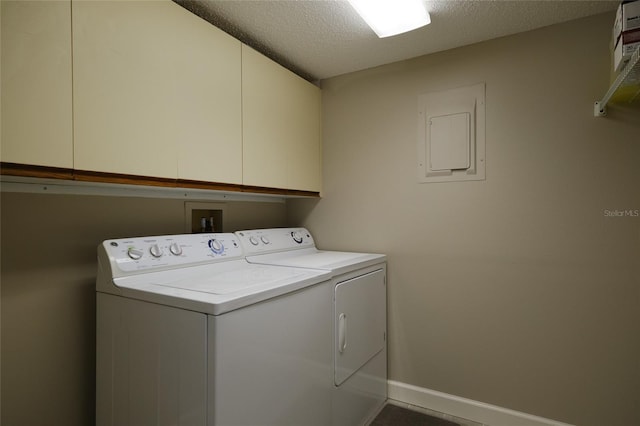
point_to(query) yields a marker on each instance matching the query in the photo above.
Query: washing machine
(359, 307)
(190, 333)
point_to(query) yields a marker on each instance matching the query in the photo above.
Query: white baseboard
(465, 408)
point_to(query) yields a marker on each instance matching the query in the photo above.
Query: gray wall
(518, 290)
(48, 257)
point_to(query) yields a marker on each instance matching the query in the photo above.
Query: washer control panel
(145, 253)
(258, 241)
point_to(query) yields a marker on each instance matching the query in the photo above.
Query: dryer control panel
(169, 251)
(261, 241)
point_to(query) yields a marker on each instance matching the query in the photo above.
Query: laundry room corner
(520, 290)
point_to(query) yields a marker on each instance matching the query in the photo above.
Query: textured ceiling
(319, 39)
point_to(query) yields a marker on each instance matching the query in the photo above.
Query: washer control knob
(254, 241)
(216, 246)
(155, 251)
(135, 253)
(265, 240)
(297, 237)
(175, 249)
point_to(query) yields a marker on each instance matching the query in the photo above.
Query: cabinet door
(156, 92)
(36, 83)
(304, 171)
(123, 72)
(360, 322)
(208, 102)
(281, 126)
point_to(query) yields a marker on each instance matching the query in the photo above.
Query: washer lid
(336, 261)
(218, 288)
(234, 281)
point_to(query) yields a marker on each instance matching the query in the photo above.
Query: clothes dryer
(359, 307)
(189, 333)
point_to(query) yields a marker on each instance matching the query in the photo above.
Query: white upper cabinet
(148, 89)
(156, 92)
(304, 169)
(281, 126)
(36, 83)
(208, 103)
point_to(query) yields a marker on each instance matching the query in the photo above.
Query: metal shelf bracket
(628, 78)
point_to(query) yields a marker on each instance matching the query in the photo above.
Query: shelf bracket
(629, 76)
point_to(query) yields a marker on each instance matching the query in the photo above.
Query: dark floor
(392, 415)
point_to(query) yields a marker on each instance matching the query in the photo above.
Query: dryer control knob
(135, 253)
(254, 241)
(297, 237)
(265, 239)
(155, 251)
(175, 249)
(216, 246)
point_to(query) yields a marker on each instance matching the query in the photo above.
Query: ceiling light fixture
(390, 17)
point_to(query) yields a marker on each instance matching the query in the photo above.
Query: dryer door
(360, 322)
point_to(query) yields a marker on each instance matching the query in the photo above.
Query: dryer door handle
(342, 332)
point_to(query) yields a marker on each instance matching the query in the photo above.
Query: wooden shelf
(81, 182)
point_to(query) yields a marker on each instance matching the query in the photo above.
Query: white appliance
(359, 315)
(189, 333)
